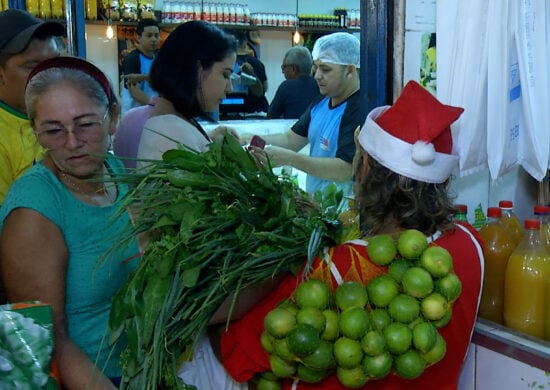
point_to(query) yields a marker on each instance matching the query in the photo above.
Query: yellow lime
(449, 286)
(352, 378)
(281, 368)
(417, 282)
(313, 293)
(377, 367)
(381, 249)
(424, 336)
(411, 243)
(381, 290)
(303, 339)
(398, 337)
(354, 322)
(380, 318)
(350, 294)
(373, 343)
(404, 308)
(278, 322)
(322, 358)
(437, 261)
(311, 316)
(331, 330)
(434, 306)
(347, 352)
(409, 365)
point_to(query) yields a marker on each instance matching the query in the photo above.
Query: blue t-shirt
(89, 232)
(330, 134)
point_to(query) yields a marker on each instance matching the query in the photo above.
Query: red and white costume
(243, 355)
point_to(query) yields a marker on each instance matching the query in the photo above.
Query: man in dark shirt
(299, 89)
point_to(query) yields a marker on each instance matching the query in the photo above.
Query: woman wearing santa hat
(402, 168)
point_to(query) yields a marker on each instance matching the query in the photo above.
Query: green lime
(449, 286)
(313, 293)
(266, 384)
(310, 375)
(417, 282)
(411, 243)
(409, 365)
(373, 343)
(331, 330)
(350, 294)
(437, 261)
(380, 318)
(287, 304)
(322, 358)
(424, 336)
(443, 321)
(354, 322)
(437, 352)
(303, 339)
(381, 249)
(404, 308)
(311, 316)
(381, 290)
(398, 267)
(377, 367)
(267, 341)
(278, 322)
(347, 352)
(352, 378)
(281, 349)
(281, 368)
(398, 337)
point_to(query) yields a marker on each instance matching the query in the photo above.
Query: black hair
(145, 23)
(175, 70)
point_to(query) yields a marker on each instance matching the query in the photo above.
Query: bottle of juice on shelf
(33, 7)
(527, 285)
(461, 213)
(45, 9)
(542, 212)
(510, 219)
(57, 9)
(499, 245)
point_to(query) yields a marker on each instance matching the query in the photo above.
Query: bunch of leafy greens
(218, 222)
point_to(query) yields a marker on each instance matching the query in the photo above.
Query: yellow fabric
(19, 148)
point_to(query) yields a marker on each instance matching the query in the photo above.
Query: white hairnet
(339, 48)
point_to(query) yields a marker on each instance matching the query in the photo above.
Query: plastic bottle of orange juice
(510, 220)
(499, 245)
(527, 284)
(542, 212)
(461, 213)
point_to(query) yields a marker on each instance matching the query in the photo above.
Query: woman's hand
(219, 132)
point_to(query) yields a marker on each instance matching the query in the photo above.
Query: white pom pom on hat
(413, 137)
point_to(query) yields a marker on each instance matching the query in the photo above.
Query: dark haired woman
(192, 75)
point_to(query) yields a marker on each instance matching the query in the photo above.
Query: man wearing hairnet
(329, 122)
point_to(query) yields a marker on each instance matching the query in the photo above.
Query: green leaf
(190, 276)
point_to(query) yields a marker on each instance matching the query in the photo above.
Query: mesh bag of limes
(361, 333)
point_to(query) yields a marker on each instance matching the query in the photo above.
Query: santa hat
(413, 137)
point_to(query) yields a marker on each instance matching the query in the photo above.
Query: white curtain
(493, 60)
(533, 47)
(461, 27)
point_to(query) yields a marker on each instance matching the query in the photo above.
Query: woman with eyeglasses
(59, 221)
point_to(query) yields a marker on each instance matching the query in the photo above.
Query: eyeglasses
(88, 128)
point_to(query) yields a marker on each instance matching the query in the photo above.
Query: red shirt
(243, 355)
